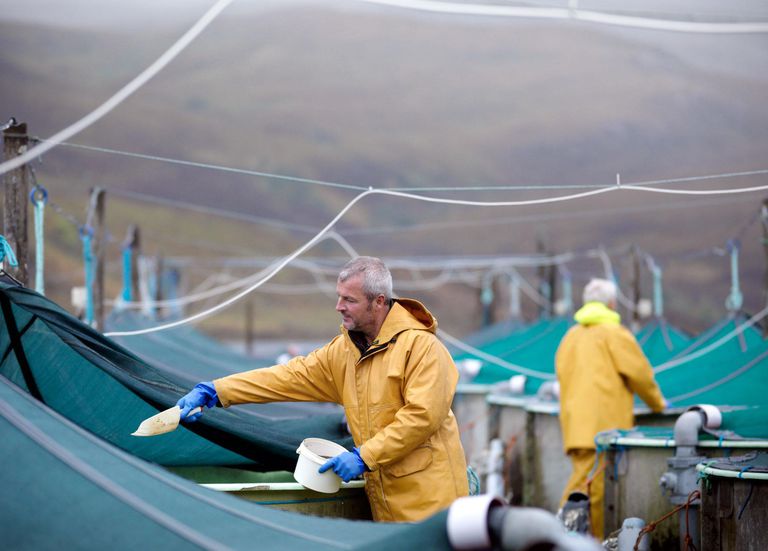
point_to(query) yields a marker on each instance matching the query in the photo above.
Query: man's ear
(381, 300)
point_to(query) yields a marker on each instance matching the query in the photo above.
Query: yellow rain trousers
(588, 478)
(600, 367)
(397, 397)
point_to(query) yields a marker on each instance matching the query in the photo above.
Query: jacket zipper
(371, 351)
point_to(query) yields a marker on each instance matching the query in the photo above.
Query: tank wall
(734, 514)
(632, 490)
(546, 468)
(511, 426)
(471, 411)
(349, 503)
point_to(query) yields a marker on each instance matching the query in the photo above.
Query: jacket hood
(593, 313)
(405, 314)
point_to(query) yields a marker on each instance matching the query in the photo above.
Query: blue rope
(127, 290)
(746, 501)
(599, 450)
(658, 296)
(39, 197)
(703, 477)
(474, 481)
(7, 251)
(745, 469)
(86, 234)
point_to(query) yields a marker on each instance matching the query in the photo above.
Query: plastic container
(314, 452)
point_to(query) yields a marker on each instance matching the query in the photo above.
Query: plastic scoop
(165, 421)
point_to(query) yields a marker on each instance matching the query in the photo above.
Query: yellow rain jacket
(600, 367)
(397, 397)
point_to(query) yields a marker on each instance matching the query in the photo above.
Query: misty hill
(367, 96)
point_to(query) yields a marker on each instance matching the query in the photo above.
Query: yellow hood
(593, 313)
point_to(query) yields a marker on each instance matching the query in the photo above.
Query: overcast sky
(109, 13)
(123, 13)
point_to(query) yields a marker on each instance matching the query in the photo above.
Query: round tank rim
(670, 443)
(723, 473)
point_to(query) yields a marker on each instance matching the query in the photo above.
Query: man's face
(355, 308)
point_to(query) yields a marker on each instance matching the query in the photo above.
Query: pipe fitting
(468, 522)
(485, 522)
(687, 429)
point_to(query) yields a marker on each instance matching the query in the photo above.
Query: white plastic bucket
(314, 452)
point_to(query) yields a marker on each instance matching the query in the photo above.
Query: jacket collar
(404, 314)
(593, 313)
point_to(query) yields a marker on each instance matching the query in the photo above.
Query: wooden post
(159, 268)
(133, 242)
(499, 309)
(547, 279)
(98, 197)
(15, 141)
(249, 327)
(635, 253)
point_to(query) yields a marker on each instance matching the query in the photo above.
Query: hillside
(366, 96)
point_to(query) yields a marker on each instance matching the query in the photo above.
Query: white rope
(695, 191)
(461, 270)
(493, 359)
(575, 14)
(271, 175)
(121, 94)
(531, 291)
(713, 346)
(271, 272)
(729, 377)
(230, 283)
(269, 275)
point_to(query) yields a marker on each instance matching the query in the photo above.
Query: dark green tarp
(660, 341)
(532, 347)
(181, 350)
(733, 376)
(64, 488)
(108, 390)
(490, 334)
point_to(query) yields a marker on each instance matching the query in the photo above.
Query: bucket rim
(306, 452)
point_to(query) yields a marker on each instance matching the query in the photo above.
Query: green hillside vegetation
(377, 98)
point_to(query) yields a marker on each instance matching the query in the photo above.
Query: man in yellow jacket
(396, 382)
(600, 367)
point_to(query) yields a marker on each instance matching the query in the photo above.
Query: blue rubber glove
(204, 394)
(347, 465)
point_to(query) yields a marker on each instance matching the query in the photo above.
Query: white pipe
(630, 531)
(467, 523)
(271, 486)
(670, 443)
(703, 468)
(494, 482)
(525, 528)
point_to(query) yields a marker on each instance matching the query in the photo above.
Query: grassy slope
(382, 100)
